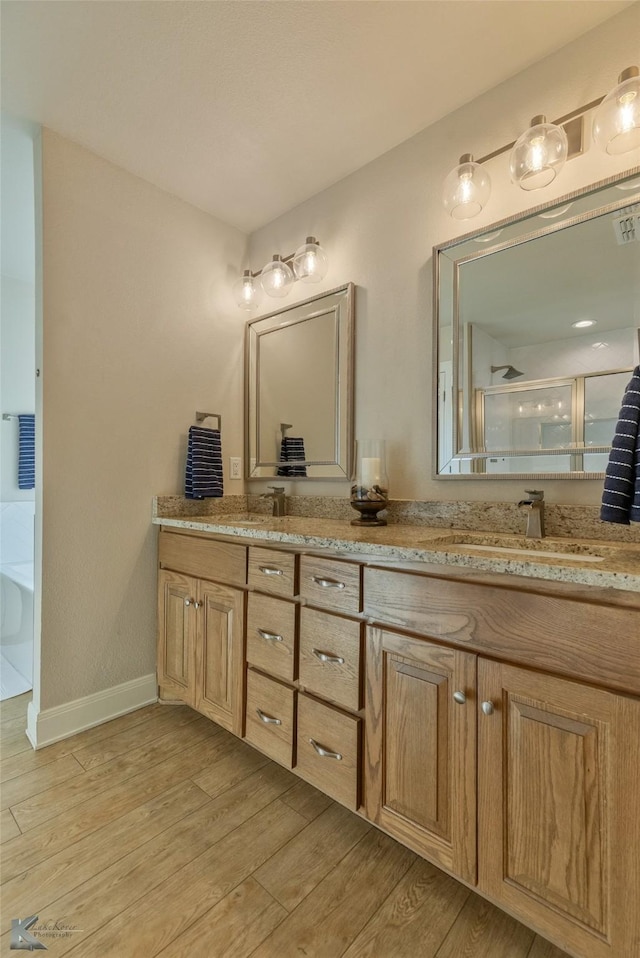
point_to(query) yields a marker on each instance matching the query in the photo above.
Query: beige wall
(379, 226)
(139, 331)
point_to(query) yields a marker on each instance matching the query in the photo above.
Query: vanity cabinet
(489, 722)
(557, 783)
(200, 626)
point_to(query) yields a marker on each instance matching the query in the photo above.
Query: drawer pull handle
(327, 657)
(270, 570)
(267, 719)
(325, 752)
(327, 583)
(269, 636)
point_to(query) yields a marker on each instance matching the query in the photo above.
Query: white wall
(379, 226)
(17, 295)
(139, 331)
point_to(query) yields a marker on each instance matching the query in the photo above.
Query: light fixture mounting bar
(283, 259)
(573, 124)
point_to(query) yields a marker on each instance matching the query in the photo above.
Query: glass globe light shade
(310, 262)
(277, 278)
(538, 154)
(466, 189)
(247, 291)
(616, 122)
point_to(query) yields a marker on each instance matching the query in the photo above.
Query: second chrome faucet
(535, 514)
(279, 500)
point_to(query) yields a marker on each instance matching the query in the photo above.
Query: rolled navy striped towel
(621, 496)
(26, 451)
(292, 450)
(203, 475)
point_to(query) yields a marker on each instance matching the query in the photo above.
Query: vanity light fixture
(248, 293)
(308, 264)
(466, 189)
(277, 277)
(539, 154)
(616, 123)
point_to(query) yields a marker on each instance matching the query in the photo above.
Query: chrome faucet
(279, 500)
(535, 515)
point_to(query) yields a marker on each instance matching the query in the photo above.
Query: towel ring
(201, 416)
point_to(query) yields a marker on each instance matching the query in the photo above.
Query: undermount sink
(539, 548)
(231, 520)
(538, 553)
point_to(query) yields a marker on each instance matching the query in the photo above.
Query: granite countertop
(612, 565)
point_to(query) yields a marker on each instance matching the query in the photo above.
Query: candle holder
(370, 489)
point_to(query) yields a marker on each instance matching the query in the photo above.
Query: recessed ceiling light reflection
(583, 323)
(599, 345)
(552, 214)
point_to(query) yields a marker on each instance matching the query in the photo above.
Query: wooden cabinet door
(559, 808)
(219, 656)
(420, 765)
(176, 635)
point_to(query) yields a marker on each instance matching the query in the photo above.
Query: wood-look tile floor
(161, 834)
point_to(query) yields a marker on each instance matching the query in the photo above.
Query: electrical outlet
(235, 467)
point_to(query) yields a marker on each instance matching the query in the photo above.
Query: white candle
(370, 472)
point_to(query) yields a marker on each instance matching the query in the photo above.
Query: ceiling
(245, 108)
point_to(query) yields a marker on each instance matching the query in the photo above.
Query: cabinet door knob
(270, 570)
(267, 719)
(487, 708)
(327, 657)
(327, 583)
(269, 636)
(187, 601)
(197, 604)
(325, 752)
(459, 697)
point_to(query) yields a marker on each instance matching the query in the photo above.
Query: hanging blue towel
(26, 451)
(621, 496)
(292, 450)
(203, 476)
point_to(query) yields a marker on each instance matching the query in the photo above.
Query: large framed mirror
(299, 390)
(536, 331)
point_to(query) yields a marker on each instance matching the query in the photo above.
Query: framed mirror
(536, 333)
(299, 390)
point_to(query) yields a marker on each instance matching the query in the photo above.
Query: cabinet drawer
(271, 632)
(270, 717)
(330, 583)
(272, 571)
(332, 764)
(206, 558)
(330, 657)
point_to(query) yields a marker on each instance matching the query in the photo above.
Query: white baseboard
(62, 721)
